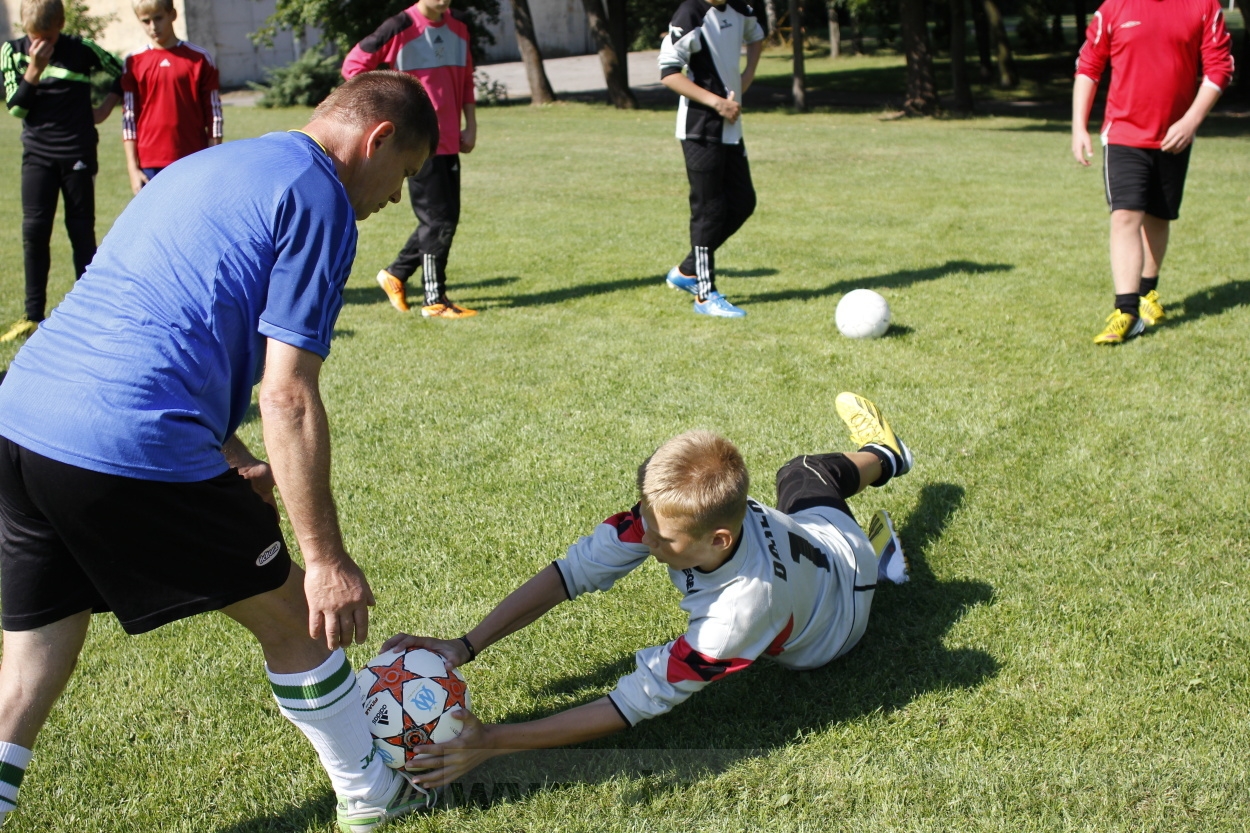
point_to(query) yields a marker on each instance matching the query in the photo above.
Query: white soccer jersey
(798, 589)
(706, 41)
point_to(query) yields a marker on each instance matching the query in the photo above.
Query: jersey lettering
(800, 547)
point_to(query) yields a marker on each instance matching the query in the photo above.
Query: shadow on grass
(1214, 300)
(568, 293)
(893, 280)
(765, 708)
(758, 272)
(374, 294)
(296, 818)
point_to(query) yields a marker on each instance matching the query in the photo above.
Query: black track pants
(817, 480)
(721, 199)
(43, 180)
(435, 195)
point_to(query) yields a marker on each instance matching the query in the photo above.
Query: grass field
(1072, 651)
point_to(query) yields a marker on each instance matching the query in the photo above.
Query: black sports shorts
(817, 480)
(1145, 179)
(151, 552)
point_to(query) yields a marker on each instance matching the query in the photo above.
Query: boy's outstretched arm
(521, 607)
(479, 743)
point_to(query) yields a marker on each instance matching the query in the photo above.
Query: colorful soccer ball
(409, 697)
(862, 313)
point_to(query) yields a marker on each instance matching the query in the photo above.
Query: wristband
(469, 646)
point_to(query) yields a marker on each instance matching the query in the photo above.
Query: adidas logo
(164, 62)
(381, 716)
(79, 166)
(725, 24)
(438, 38)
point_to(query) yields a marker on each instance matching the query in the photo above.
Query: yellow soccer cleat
(868, 427)
(1120, 328)
(447, 309)
(22, 328)
(1149, 309)
(394, 289)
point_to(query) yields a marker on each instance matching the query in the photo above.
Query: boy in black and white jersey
(705, 39)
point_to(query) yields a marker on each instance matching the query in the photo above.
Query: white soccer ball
(408, 700)
(862, 313)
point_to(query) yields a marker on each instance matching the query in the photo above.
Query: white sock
(13, 762)
(325, 705)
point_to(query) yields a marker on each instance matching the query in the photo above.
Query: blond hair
(699, 476)
(42, 16)
(143, 7)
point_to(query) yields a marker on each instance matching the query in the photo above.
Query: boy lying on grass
(793, 583)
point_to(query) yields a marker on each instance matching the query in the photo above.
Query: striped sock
(13, 762)
(325, 705)
(889, 462)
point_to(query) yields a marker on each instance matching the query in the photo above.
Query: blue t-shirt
(147, 366)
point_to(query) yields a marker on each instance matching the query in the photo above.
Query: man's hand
(258, 474)
(1179, 136)
(339, 599)
(1081, 147)
(468, 139)
(453, 651)
(442, 763)
(137, 180)
(728, 108)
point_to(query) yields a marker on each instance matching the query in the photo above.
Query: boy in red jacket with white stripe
(425, 40)
(1170, 60)
(171, 104)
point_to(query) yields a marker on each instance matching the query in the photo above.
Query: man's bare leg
(1127, 250)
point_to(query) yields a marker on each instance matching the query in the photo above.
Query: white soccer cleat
(891, 562)
(357, 816)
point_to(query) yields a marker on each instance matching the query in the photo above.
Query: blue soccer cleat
(686, 283)
(718, 306)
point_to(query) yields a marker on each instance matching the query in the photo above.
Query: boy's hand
(728, 108)
(40, 54)
(468, 139)
(1081, 148)
(1180, 135)
(452, 651)
(137, 180)
(442, 763)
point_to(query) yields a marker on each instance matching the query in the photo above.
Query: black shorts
(151, 552)
(817, 480)
(1144, 179)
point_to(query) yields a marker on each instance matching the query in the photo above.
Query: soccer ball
(408, 699)
(862, 313)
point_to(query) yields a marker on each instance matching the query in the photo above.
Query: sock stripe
(11, 775)
(8, 801)
(315, 695)
(322, 707)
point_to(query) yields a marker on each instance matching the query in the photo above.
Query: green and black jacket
(57, 111)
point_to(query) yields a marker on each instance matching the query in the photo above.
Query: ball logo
(269, 554)
(424, 699)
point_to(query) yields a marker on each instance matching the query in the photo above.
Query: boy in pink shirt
(425, 40)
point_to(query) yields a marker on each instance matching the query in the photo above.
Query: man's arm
(521, 607)
(1181, 133)
(102, 112)
(255, 471)
(1082, 100)
(297, 439)
(727, 107)
(468, 136)
(479, 743)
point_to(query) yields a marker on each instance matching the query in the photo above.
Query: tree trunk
(921, 96)
(1002, 47)
(531, 55)
(620, 38)
(1056, 33)
(613, 67)
(982, 26)
(835, 29)
(959, 65)
(1078, 7)
(857, 34)
(770, 12)
(798, 89)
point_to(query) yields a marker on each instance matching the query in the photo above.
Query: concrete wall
(222, 27)
(560, 25)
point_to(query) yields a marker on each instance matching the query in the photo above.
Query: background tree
(921, 95)
(982, 25)
(835, 28)
(613, 63)
(1007, 77)
(798, 85)
(959, 65)
(527, 44)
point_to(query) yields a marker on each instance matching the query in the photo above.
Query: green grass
(1071, 652)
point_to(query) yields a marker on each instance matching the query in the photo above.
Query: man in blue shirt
(122, 485)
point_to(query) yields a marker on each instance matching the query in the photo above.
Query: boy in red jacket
(1170, 61)
(425, 40)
